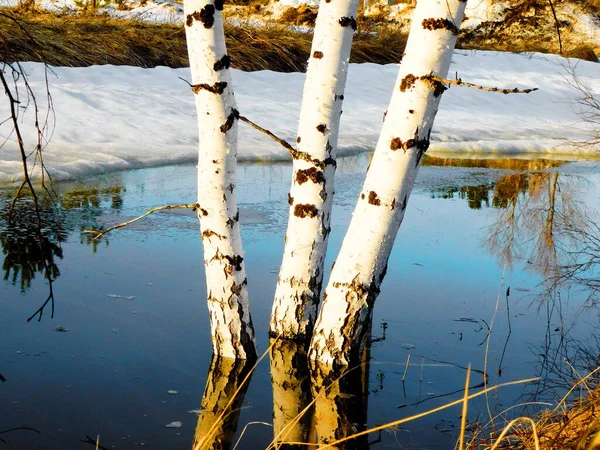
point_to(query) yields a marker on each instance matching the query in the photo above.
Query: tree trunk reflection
(340, 405)
(291, 393)
(221, 403)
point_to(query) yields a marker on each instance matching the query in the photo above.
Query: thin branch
(285, 144)
(99, 233)
(94, 442)
(27, 181)
(40, 310)
(557, 24)
(460, 82)
(20, 428)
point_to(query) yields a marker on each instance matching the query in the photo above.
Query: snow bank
(114, 118)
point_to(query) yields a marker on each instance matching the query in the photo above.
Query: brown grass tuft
(302, 15)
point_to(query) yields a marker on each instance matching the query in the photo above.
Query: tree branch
(285, 144)
(99, 233)
(460, 82)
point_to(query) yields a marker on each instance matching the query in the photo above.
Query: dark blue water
(134, 321)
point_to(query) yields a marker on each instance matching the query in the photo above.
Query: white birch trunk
(231, 326)
(301, 274)
(362, 261)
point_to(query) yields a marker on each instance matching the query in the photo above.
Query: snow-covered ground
(112, 118)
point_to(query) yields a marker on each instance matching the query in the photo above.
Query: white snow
(480, 11)
(114, 118)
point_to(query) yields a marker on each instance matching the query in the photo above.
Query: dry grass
(529, 26)
(84, 40)
(575, 428)
(303, 15)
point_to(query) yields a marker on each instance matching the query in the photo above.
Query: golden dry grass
(84, 40)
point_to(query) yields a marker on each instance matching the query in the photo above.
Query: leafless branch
(12, 92)
(99, 233)
(460, 82)
(285, 144)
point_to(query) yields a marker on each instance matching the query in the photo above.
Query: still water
(124, 348)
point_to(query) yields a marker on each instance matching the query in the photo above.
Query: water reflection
(292, 399)
(226, 387)
(31, 239)
(340, 409)
(535, 211)
(24, 254)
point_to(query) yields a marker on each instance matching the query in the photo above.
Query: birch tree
(301, 274)
(362, 262)
(231, 326)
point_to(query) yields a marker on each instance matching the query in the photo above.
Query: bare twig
(285, 144)
(94, 442)
(99, 233)
(460, 82)
(557, 24)
(27, 181)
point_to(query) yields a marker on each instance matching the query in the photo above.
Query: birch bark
(361, 264)
(231, 325)
(301, 273)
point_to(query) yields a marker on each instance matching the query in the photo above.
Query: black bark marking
(322, 128)
(348, 22)
(207, 16)
(338, 97)
(230, 121)
(374, 199)
(393, 203)
(298, 139)
(230, 187)
(219, 5)
(236, 289)
(235, 261)
(384, 114)
(408, 82)
(411, 111)
(354, 327)
(330, 162)
(313, 174)
(214, 161)
(217, 88)
(303, 210)
(298, 155)
(438, 87)
(317, 54)
(233, 220)
(404, 202)
(323, 194)
(210, 233)
(203, 211)
(222, 63)
(439, 24)
(290, 200)
(245, 338)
